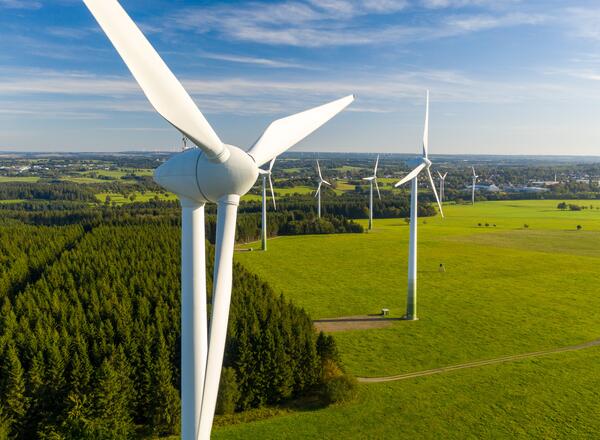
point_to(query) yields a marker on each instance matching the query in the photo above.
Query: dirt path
(478, 363)
(345, 323)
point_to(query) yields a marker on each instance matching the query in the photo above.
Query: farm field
(508, 289)
(139, 197)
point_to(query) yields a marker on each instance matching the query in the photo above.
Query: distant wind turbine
(318, 193)
(425, 164)
(442, 185)
(372, 179)
(475, 176)
(266, 174)
(214, 172)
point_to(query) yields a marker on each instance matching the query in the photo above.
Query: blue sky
(506, 76)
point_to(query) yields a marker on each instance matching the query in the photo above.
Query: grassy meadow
(507, 289)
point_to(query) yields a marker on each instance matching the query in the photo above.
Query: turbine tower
(475, 176)
(214, 172)
(372, 179)
(442, 185)
(425, 164)
(266, 174)
(318, 193)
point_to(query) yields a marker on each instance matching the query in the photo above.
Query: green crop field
(508, 289)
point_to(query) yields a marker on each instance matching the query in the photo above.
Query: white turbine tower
(372, 179)
(318, 193)
(214, 172)
(266, 174)
(442, 185)
(425, 164)
(475, 176)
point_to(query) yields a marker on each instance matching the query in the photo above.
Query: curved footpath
(478, 363)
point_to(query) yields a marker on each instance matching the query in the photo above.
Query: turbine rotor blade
(272, 192)
(161, 87)
(284, 133)
(221, 300)
(410, 176)
(326, 182)
(435, 192)
(318, 189)
(272, 163)
(319, 170)
(376, 165)
(377, 188)
(426, 129)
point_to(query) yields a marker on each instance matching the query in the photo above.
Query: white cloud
(20, 4)
(321, 23)
(265, 62)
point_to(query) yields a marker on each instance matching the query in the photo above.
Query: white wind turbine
(442, 185)
(425, 164)
(214, 172)
(372, 179)
(475, 176)
(318, 193)
(266, 174)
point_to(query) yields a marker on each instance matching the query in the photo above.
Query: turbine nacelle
(194, 176)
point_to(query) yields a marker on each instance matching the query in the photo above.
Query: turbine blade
(284, 133)
(377, 188)
(445, 174)
(272, 163)
(326, 182)
(474, 175)
(221, 300)
(319, 170)
(426, 129)
(272, 192)
(410, 176)
(376, 165)
(318, 189)
(161, 87)
(435, 192)
(440, 174)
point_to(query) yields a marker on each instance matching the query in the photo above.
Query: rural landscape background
(89, 329)
(117, 166)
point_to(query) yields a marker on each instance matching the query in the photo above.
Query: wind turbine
(475, 176)
(318, 193)
(372, 179)
(425, 164)
(266, 174)
(442, 185)
(214, 172)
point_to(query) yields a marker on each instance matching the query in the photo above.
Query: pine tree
(14, 400)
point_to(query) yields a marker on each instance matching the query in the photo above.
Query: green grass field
(506, 290)
(139, 197)
(28, 179)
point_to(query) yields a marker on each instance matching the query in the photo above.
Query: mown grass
(506, 289)
(551, 397)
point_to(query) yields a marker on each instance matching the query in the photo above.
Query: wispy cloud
(264, 62)
(20, 4)
(337, 22)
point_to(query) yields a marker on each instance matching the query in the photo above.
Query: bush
(228, 392)
(341, 389)
(579, 227)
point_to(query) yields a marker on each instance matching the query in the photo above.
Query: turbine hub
(191, 175)
(427, 162)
